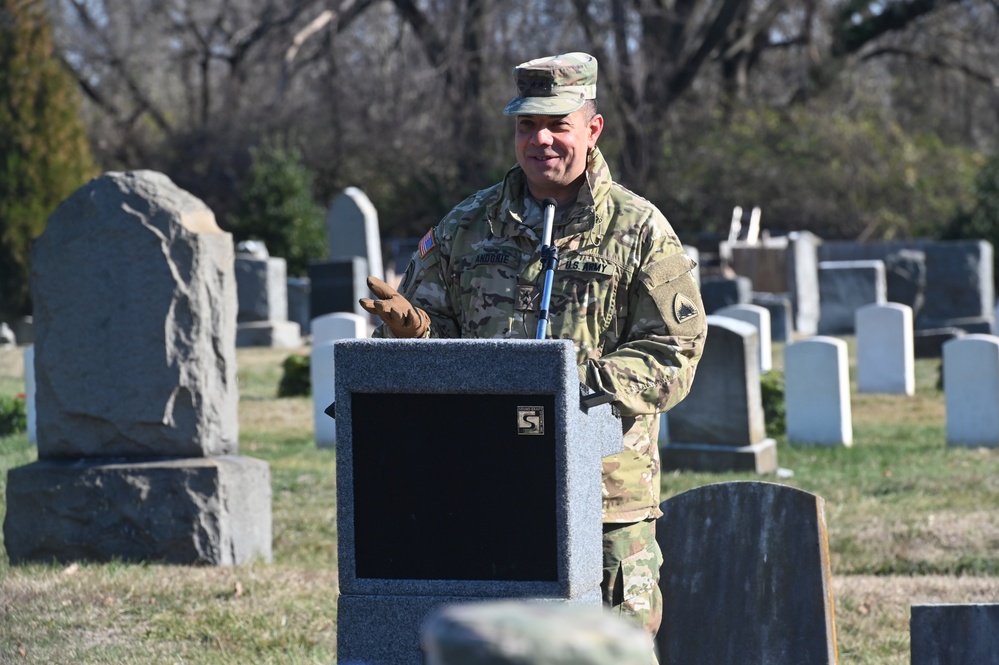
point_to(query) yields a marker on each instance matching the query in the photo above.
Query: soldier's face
(552, 151)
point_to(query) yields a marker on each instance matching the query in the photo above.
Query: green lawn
(910, 521)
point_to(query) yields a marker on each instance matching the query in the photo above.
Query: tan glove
(398, 313)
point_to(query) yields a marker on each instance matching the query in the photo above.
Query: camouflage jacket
(622, 292)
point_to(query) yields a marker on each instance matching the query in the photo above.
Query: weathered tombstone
(29, 393)
(759, 318)
(718, 292)
(326, 330)
(785, 265)
(746, 577)
(337, 285)
(352, 230)
(719, 425)
(885, 355)
(137, 419)
(971, 390)
(817, 392)
(954, 634)
(262, 290)
(515, 632)
(779, 306)
(905, 278)
(408, 541)
(844, 287)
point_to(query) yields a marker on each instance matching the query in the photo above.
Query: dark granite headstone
(337, 285)
(718, 292)
(779, 305)
(746, 577)
(929, 343)
(905, 276)
(954, 634)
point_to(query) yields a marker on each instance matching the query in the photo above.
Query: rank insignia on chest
(426, 244)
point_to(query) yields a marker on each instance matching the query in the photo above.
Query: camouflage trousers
(632, 559)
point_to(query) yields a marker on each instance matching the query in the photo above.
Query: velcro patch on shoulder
(666, 270)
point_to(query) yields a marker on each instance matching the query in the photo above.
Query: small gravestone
(337, 285)
(718, 292)
(746, 577)
(135, 374)
(885, 355)
(298, 303)
(779, 306)
(352, 230)
(759, 318)
(845, 287)
(817, 392)
(719, 426)
(971, 390)
(262, 288)
(954, 634)
(326, 330)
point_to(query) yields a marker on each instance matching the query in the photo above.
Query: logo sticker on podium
(530, 420)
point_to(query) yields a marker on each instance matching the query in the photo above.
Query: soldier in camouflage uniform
(622, 292)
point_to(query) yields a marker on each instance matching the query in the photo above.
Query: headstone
(779, 306)
(23, 328)
(786, 265)
(954, 634)
(415, 531)
(29, 394)
(512, 632)
(719, 426)
(959, 291)
(905, 278)
(326, 330)
(759, 318)
(298, 303)
(7, 338)
(844, 287)
(971, 390)
(885, 355)
(718, 292)
(817, 392)
(746, 577)
(262, 318)
(137, 414)
(928, 343)
(337, 285)
(352, 230)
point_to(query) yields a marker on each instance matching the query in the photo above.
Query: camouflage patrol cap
(554, 85)
(510, 632)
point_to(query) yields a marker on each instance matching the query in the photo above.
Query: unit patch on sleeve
(426, 244)
(683, 308)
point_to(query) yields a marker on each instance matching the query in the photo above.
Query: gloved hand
(398, 313)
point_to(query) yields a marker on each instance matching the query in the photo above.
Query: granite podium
(450, 455)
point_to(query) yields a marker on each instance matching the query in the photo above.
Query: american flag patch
(427, 243)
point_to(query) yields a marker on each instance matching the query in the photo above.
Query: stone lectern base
(205, 510)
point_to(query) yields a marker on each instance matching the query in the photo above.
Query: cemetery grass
(909, 520)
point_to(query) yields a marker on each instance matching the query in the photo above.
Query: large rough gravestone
(954, 634)
(416, 528)
(817, 392)
(746, 577)
(719, 425)
(885, 352)
(135, 372)
(971, 390)
(352, 231)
